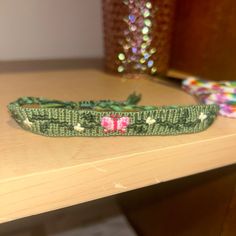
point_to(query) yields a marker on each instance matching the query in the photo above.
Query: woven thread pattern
(167, 120)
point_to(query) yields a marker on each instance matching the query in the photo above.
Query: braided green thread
(58, 118)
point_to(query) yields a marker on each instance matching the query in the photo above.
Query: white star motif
(28, 123)
(150, 121)
(202, 117)
(78, 127)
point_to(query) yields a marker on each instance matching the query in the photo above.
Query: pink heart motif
(115, 123)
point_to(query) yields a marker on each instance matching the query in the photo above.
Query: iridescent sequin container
(137, 35)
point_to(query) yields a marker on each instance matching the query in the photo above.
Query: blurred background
(50, 29)
(200, 40)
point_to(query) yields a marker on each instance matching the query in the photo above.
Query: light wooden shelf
(40, 174)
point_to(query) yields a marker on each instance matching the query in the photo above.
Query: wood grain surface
(40, 174)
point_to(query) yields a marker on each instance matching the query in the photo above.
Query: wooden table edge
(50, 190)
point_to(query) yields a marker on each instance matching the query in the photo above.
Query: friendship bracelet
(220, 93)
(109, 118)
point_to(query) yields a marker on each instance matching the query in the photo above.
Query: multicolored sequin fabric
(209, 92)
(138, 53)
(137, 35)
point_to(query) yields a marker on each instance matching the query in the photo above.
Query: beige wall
(45, 29)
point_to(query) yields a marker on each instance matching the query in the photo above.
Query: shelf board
(40, 174)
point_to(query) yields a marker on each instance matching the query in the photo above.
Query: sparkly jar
(137, 35)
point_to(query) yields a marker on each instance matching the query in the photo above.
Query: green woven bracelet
(109, 118)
